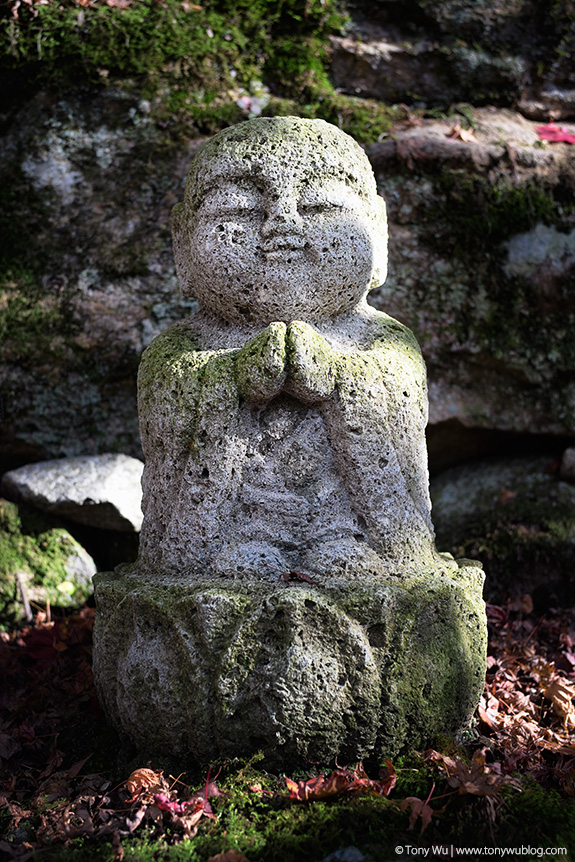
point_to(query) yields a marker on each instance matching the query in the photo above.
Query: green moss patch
(38, 559)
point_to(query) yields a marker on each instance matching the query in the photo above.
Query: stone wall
(482, 232)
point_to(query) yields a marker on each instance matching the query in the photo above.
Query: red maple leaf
(340, 782)
(555, 134)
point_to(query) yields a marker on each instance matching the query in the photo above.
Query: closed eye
(318, 207)
(227, 212)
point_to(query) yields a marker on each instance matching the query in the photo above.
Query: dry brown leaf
(145, 779)
(340, 782)
(457, 133)
(477, 780)
(419, 809)
(488, 711)
(228, 856)
(561, 694)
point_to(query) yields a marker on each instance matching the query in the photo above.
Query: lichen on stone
(40, 561)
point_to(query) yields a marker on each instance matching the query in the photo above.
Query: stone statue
(283, 430)
(284, 424)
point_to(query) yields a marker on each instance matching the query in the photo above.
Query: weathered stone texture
(101, 491)
(91, 178)
(466, 218)
(40, 563)
(517, 515)
(90, 270)
(512, 54)
(283, 429)
(231, 460)
(482, 260)
(357, 670)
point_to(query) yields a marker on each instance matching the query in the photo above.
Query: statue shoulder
(388, 334)
(171, 353)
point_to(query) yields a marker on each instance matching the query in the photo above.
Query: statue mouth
(279, 246)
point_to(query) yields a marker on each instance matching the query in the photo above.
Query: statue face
(287, 236)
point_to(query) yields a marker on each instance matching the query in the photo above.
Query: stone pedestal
(352, 669)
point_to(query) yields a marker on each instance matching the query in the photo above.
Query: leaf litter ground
(69, 790)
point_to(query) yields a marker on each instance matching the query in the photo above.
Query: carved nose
(282, 217)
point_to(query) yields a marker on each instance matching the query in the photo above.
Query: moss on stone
(410, 652)
(191, 78)
(35, 325)
(42, 556)
(220, 45)
(472, 214)
(364, 119)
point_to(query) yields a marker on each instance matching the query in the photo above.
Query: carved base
(222, 669)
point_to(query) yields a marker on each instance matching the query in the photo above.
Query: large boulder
(481, 267)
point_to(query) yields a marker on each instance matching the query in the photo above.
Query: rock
(288, 595)
(39, 563)
(567, 469)
(422, 72)
(435, 53)
(93, 280)
(345, 854)
(481, 253)
(97, 490)
(518, 519)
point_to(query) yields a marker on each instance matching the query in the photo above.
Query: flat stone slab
(353, 669)
(97, 490)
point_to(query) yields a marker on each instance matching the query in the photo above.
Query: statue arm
(193, 438)
(398, 357)
(376, 421)
(170, 384)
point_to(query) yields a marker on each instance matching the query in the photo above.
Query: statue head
(280, 221)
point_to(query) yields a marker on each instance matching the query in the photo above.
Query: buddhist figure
(283, 425)
(283, 431)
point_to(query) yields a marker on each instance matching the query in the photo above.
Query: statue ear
(180, 244)
(379, 243)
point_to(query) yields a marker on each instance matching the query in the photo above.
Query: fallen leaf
(145, 779)
(319, 787)
(477, 780)
(228, 856)
(561, 694)
(488, 711)
(419, 809)
(340, 782)
(554, 134)
(457, 133)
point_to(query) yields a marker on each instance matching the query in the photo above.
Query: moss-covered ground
(507, 782)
